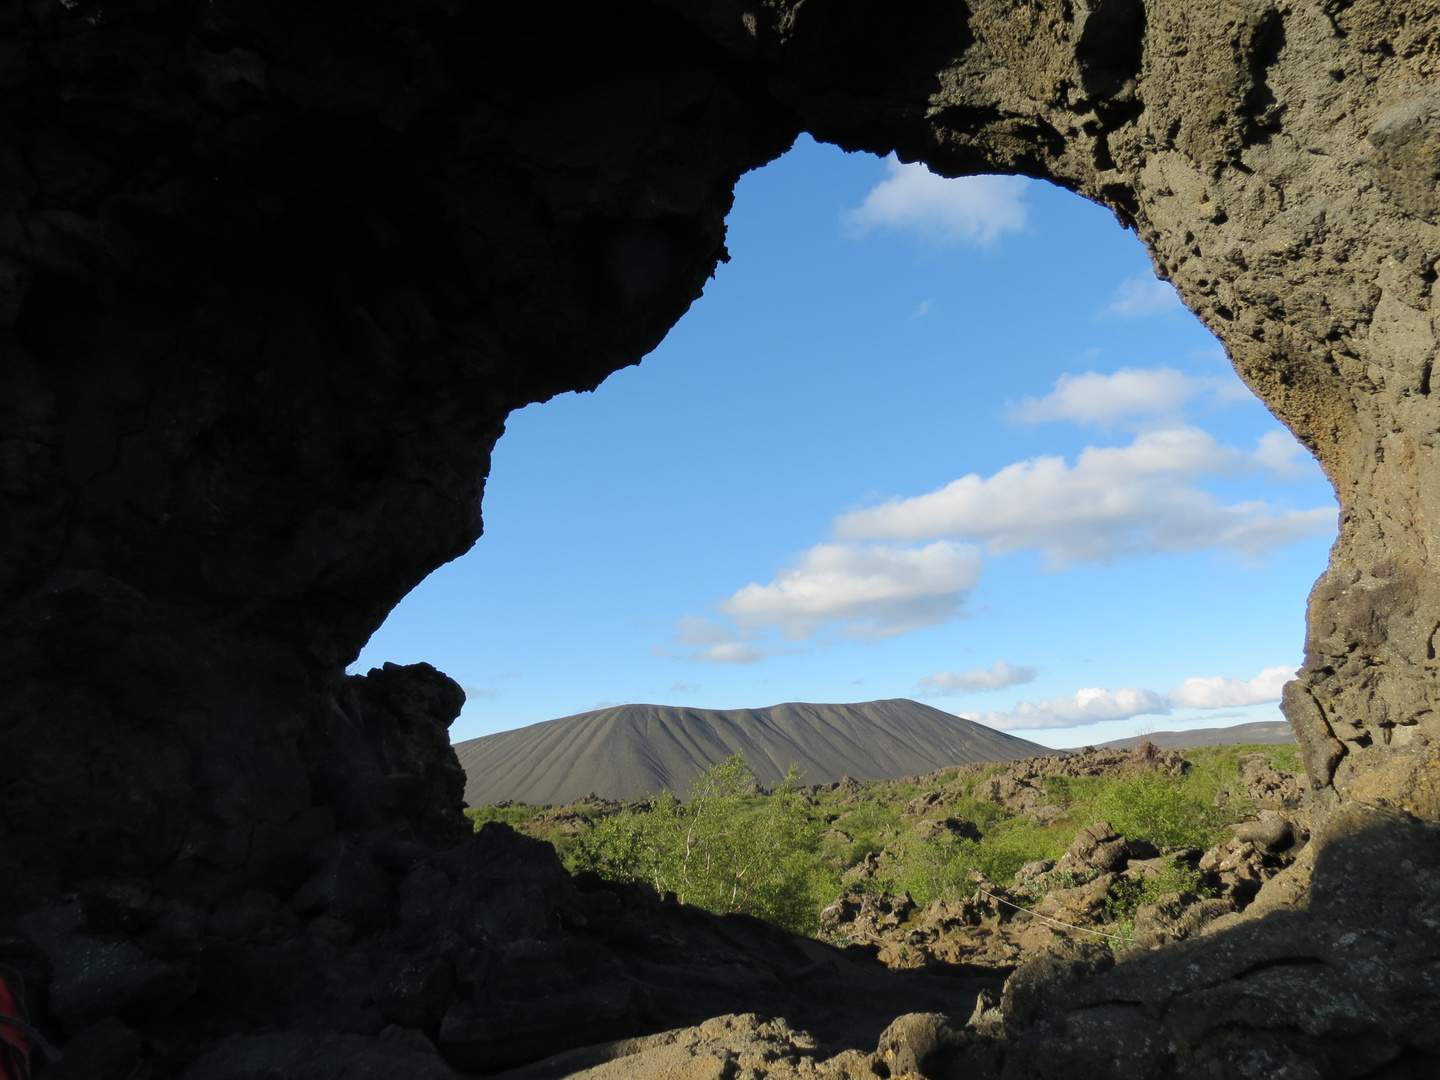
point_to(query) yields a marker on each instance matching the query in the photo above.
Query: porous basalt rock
(272, 277)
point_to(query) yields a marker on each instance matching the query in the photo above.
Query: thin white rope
(1057, 922)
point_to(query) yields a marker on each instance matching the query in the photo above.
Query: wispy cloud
(1093, 398)
(997, 676)
(1095, 704)
(975, 210)
(1283, 455)
(862, 591)
(1113, 501)
(911, 562)
(1142, 297)
(729, 652)
(713, 643)
(1129, 396)
(1223, 692)
(1088, 706)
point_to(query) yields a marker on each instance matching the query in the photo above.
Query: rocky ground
(453, 956)
(1082, 910)
(1307, 950)
(1106, 887)
(275, 275)
(403, 957)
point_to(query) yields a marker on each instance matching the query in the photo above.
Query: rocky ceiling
(272, 275)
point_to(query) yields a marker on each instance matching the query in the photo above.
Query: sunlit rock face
(274, 275)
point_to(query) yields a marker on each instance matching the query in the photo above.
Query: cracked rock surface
(272, 276)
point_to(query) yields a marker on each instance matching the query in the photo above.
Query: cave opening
(274, 278)
(1139, 518)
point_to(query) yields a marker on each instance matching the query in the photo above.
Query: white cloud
(1096, 704)
(691, 630)
(1113, 501)
(713, 643)
(1088, 706)
(1104, 399)
(1282, 454)
(971, 209)
(685, 688)
(1223, 692)
(996, 677)
(870, 592)
(1142, 296)
(729, 652)
(1230, 389)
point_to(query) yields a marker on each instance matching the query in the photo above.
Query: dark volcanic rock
(317, 1056)
(273, 276)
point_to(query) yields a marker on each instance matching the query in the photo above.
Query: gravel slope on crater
(631, 751)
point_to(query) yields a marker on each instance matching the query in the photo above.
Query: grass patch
(514, 816)
(782, 856)
(721, 849)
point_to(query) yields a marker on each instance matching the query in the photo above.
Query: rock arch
(273, 276)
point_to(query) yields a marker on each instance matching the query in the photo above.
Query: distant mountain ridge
(632, 751)
(1271, 732)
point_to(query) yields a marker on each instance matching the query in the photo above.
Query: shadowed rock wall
(273, 275)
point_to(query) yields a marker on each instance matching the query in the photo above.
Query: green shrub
(1159, 808)
(722, 850)
(1128, 894)
(939, 866)
(514, 816)
(1071, 791)
(728, 851)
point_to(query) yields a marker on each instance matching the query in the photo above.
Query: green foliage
(940, 865)
(1128, 894)
(1165, 810)
(514, 816)
(1172, 811)
(1285, 757)
(728, 851)
(1069, 791)
(722, 850)
(1189, 810)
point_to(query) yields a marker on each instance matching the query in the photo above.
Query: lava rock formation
(273, 275)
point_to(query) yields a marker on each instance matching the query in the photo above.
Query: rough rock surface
(1076, 899)
(272, 276)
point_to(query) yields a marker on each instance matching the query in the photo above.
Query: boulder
(1082, 905)
(727, 1046)
(106, 1050)
(507, 1033)
(1269, 833)
(349, 886)
(1269, 788)
(920, 1045)
(99, 973)
(320, 1055)
(1097, 849)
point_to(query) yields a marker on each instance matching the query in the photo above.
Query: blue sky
(940, 439)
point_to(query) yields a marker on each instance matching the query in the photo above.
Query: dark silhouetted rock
(272, 277)
(317, 1056)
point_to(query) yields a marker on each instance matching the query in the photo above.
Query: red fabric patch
(14, 1047)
